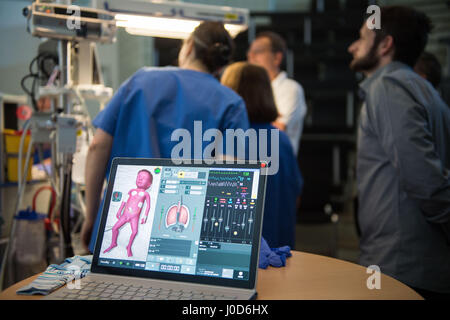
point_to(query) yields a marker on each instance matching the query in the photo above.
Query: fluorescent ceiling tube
(173, 19)
(156, 27)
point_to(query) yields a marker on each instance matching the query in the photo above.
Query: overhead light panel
(57, 22)
(173, 19)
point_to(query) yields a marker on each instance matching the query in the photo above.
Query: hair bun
(223, 50)
(213, 45)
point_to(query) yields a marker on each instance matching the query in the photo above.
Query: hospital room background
(317, 58)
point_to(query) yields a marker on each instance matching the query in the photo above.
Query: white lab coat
(291, 105)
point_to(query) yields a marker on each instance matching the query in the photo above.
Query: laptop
(176, 231)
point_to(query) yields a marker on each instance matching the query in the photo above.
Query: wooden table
(313, 277)
(306, 276)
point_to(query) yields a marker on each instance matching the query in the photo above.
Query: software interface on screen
(188, 220)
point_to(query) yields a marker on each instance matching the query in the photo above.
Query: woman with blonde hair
(252, 83)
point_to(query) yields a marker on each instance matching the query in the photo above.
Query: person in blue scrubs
(154, 102)
(283, 188)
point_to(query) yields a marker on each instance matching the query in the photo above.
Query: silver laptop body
(188, 231)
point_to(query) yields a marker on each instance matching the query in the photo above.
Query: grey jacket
(403, 164)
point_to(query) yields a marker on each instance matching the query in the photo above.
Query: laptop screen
(198, 223)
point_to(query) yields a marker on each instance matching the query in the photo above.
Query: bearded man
(403, 157)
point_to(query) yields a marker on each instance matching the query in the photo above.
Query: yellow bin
(12, 145)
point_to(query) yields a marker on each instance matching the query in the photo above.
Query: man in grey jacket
(403, 157)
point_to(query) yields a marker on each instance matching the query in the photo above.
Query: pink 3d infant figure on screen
(132, 209)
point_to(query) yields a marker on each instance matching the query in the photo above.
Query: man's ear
(386, 46)
(278, 58)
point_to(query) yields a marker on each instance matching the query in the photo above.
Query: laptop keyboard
(101, 290)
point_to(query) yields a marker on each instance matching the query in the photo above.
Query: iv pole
(61, 126)
(65, 161)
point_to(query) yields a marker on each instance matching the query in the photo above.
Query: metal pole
(65, 160)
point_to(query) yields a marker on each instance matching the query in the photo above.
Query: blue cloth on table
(56, 276)
(275, 257)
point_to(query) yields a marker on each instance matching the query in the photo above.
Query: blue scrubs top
(154, 102)
(282, 190)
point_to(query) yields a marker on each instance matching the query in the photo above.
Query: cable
(19, 164)
(52, 182)
(40, 60)
(65, 219)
